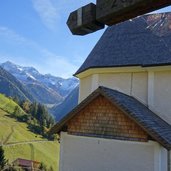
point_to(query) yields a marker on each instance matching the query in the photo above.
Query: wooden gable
(100, 118)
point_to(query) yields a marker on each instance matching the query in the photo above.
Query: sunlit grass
(13, 132)
(8, 104)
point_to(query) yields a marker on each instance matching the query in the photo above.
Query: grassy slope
(12, 131)
(7, 104)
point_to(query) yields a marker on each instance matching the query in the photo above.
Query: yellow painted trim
(121, 70)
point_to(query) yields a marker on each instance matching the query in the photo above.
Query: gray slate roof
(143, 41)
(145, 118)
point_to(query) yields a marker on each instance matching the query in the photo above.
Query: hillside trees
(37, 116)
(41, 121)
(17, 111)
(40, 112)
(26, 106)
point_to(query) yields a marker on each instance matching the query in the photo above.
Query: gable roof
(143, 41)
(145, 118)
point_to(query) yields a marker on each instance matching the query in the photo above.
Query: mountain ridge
(47, 89)
(10, 86)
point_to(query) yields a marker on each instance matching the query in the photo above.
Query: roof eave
(123, 68)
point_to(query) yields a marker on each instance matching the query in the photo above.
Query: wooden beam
(91, 17)
(83, 21)
(112, 12)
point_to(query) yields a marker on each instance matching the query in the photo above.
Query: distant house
(123, 119)
(28, 165)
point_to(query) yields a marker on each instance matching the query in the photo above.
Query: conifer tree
(26, 106)
(3, 161)
(42, 167)
(16, 111)
(51, 169)
(34, 108)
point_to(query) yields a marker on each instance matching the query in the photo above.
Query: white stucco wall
(134, 84)
(85, 87)
(117, 81)
(97, 154)
(162, 94)
(140, 86)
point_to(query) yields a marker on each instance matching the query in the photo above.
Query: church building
(123, 119)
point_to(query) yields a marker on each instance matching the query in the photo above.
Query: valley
(60, 95)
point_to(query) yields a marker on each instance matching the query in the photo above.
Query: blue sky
(34, 33)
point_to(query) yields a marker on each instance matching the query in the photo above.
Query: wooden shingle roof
(155, 126)
(143, 41)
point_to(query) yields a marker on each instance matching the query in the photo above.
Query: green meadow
(19, 142)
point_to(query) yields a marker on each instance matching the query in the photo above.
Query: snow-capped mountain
(24, 74)
(47, 86)
(61, 85)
